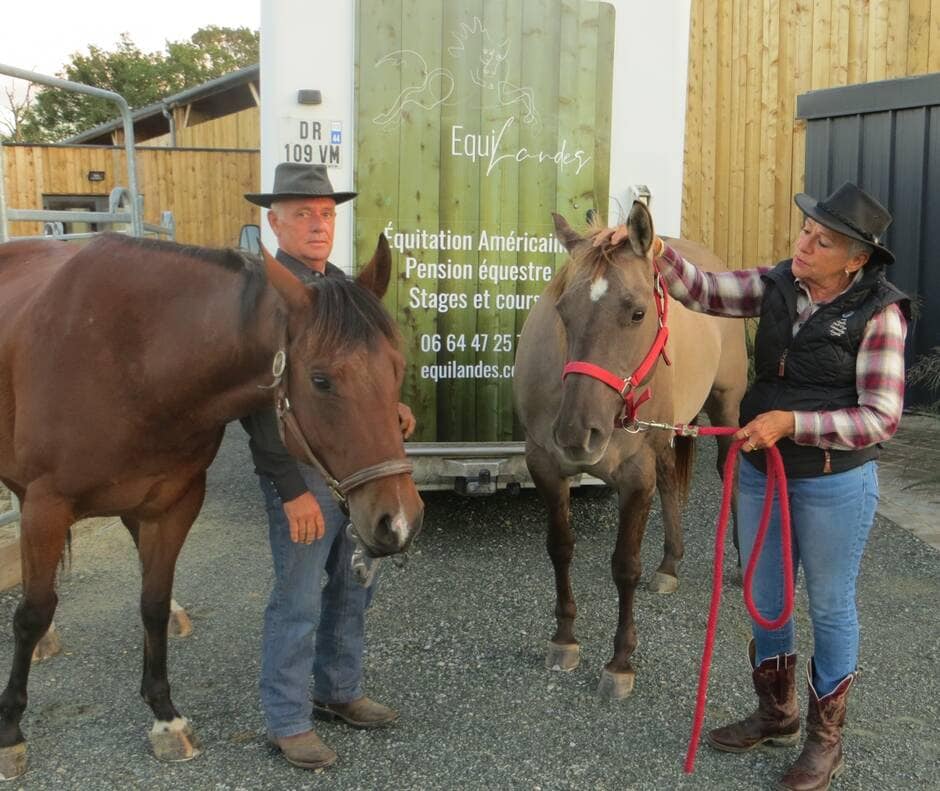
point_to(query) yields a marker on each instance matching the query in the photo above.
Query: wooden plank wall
(238, 130)
(203, 188)
(748, 61)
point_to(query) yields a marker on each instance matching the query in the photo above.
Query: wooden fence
(203, 188)
(748, 61)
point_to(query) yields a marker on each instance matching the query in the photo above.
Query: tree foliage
(141, 78)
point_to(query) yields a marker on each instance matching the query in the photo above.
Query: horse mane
(346, 315)
(248, 266)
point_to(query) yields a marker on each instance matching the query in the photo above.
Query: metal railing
(132, 214)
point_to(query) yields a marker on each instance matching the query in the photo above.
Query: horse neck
(248, 368)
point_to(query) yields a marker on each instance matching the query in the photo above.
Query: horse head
(342, 381)
(605, 298)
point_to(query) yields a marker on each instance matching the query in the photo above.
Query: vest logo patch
(838, 328)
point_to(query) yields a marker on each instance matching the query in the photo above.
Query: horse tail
(684, 450)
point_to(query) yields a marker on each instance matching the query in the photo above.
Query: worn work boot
(821, 759)
(305, 750)
(777, 718)
(360, 713)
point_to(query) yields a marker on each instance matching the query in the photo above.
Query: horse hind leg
(158, 544)
(180, 624)
(564, 652)
(44, 522)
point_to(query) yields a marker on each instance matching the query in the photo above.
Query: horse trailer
(463, 125)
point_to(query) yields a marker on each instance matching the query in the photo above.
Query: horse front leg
(180, 624)
(44, 522)
(637, 480)
(158, 544)
(564, 653)
(666, 578)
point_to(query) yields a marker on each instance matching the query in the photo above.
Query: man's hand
(766, 429)
(305, 519)
(406, 421)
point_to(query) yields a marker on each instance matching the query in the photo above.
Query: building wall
(238, 130)
(748, 62)
(203, 188)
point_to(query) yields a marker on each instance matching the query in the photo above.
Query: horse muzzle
(384, 531)
(581, 443)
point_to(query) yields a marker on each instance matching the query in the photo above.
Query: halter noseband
(627, 387)
(287, 422)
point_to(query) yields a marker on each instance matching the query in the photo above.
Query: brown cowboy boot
(360, 713)
(821, 759)
(777, 718)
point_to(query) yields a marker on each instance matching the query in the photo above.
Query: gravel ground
(457, 641)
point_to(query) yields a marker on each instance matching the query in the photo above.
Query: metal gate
(885, 136)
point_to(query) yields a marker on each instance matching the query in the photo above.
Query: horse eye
(637, 316)
(320, 382)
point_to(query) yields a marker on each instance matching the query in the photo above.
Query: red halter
(627, 387)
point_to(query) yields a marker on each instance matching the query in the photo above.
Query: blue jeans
(315, 619)
(831, 516)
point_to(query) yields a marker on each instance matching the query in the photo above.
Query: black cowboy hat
(854, 213)
(296, 180)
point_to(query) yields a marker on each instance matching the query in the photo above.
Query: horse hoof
(48, 646)
(174, 741)
(179, 624)
(663, 583)
(12, 761)
(563, 657)
(615, 686)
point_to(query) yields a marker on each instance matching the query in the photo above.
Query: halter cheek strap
(287, 422)
(627, 387)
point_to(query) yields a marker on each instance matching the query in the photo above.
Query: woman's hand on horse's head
(304, 518)
(406, 421)
(614, 236)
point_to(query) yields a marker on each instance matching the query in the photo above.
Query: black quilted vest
(814, 371)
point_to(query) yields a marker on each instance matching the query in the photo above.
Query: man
(309, 627)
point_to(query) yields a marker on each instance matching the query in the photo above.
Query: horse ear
(640, 229)
(565, 233)
(376, 274)
(294, 292)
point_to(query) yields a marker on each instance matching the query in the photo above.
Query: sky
(42, 37)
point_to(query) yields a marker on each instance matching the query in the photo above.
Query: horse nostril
(596, 439)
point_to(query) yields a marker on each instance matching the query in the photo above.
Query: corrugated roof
(221, 96)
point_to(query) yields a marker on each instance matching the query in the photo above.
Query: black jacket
(814, 370)
(270, 457)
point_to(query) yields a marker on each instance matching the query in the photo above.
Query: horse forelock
(587, 260)
(347, 316)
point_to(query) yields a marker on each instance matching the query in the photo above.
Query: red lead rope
(775, 477)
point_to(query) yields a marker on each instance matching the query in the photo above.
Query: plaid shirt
(879, 366)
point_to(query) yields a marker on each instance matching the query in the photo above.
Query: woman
(829, 386)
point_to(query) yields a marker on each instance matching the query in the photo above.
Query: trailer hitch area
(482, 483)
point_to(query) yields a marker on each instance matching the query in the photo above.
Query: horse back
(710, 351)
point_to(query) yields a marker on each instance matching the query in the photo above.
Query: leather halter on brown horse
(148, 350)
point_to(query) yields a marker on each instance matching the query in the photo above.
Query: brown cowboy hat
(296, 180)
(854, 213)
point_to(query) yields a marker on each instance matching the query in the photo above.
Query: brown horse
(122, 361)
(603, 312)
